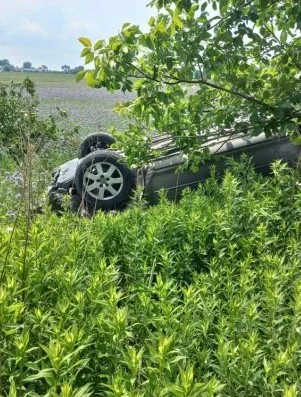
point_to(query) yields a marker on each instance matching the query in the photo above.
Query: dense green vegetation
(241, 58)
(202, 298)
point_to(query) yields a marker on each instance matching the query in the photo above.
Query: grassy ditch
(202, 298)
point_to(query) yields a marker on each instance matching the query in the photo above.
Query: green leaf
(46, 373)
(262, 31)
(223, 4)
(115, 44)
(202, 19)
(283, 37)
(178, 22)
(177, 391)
(85, 41)
(126, 25)
(84, 391)
(146, 41)
(297, 141)
(13, 390)
(91, 80)
(169, 62)
(85, 52)
(80, 75)
(152, 21)
(204, 6)
(99, 44)
(160, 27)
(89, 58)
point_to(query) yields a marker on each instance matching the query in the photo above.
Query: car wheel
(103, 180)
(97, 141)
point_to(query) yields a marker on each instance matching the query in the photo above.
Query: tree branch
(220, 88)
(283, 47)
(202, 82)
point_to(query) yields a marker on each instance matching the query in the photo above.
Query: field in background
(90, 109)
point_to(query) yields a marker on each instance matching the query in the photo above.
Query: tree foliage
(27, 65)
(65, 68)
(5, 65)
(4, 62)
(19, 120)
(222, 66)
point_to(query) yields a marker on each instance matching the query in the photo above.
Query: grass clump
(202, 298)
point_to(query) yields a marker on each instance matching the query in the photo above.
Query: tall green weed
(200, 298)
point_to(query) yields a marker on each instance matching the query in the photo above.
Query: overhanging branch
(207, 83)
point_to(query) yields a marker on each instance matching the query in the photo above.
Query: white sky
(46, 31)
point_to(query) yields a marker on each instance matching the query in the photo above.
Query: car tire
(97, 141)
(103, 180)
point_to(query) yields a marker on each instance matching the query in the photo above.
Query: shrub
(202, 298)
(31, 147)
(19, 121)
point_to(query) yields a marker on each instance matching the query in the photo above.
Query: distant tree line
(6, 66)
(68, 69)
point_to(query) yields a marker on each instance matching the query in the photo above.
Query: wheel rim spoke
(99, 182)
(112, 190)
(98, 166)
(111, 170)
(93, 186)
(101, 193)
(116, 180)
(89, 175)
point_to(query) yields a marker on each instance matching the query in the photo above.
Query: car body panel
(66, 173)
(163, 172)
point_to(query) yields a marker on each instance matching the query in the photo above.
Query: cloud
(47, 31)
(32, 27)
(13, 6)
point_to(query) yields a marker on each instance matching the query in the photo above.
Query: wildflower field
(195, 299)
(90, 109)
